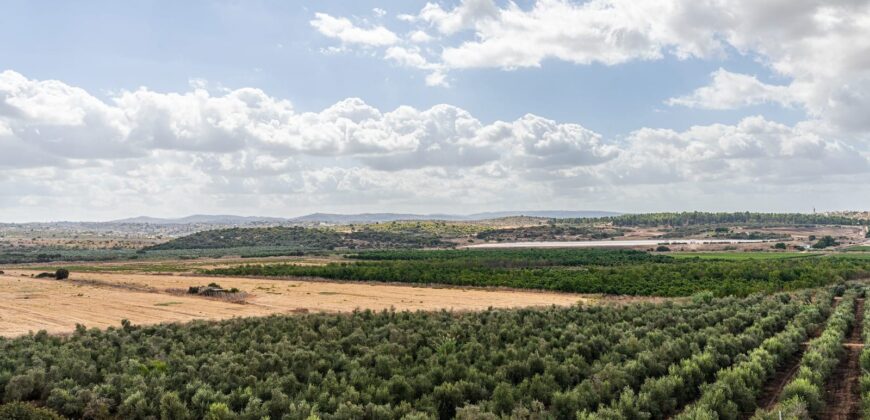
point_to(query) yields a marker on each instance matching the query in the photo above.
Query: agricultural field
(618, 272)
(704, 358)
(103, 299)
(402, 320)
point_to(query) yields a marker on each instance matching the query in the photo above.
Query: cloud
(819, 48)
(345, 31)
(466, 15)
(243, 150)
(411, 57)
(733, 90)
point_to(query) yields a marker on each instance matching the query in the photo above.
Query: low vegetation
(817, 364)
(300, 238)
(542, 363)
(582, 271)
(549, 232)
(825, 242)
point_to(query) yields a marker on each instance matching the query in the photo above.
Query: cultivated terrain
(515, 316)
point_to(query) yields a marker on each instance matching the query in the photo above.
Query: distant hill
(392, 217)
(337, 218)
(372, 217)
(219, 219)
(300, 238)
(553, 214)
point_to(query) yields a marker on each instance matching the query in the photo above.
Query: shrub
(662, 248)
(804, 391)
(703, 297)
(825, 242)
(779, 245)
(24, 411)
(45, 275)
(61, 274)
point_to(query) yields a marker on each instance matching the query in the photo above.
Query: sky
(161, 108)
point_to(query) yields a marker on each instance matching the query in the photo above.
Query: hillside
(301, 238)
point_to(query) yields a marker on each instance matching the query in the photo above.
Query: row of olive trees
(632, 375)
(737, 389)
(803, 396)
(364, 364)
(661, 397)
(865, 364)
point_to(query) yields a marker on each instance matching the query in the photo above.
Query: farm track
(843, 395)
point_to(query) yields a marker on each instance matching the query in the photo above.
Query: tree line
(735, 218)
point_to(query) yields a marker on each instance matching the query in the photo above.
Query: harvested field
(104, 299)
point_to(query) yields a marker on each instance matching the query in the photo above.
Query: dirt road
(104, 299)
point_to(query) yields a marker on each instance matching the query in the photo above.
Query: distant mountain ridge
(339, 218)
(216, 219)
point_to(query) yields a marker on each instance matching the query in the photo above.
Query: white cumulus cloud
(345, 31)
(243, 150)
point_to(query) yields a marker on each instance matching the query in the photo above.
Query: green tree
(172, 408)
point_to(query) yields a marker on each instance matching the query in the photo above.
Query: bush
(24, 411)
(61, 274)
(825, 242)
(45, 275)
(779, 245)
(703, 297)
(662, 248)
(806, 392)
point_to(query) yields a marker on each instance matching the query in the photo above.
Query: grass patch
(167, 303)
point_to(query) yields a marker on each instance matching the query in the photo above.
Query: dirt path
(104, 299)
(843, 395)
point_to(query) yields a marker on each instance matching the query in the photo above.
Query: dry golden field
(104, 299)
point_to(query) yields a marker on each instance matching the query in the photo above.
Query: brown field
(104, 299)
